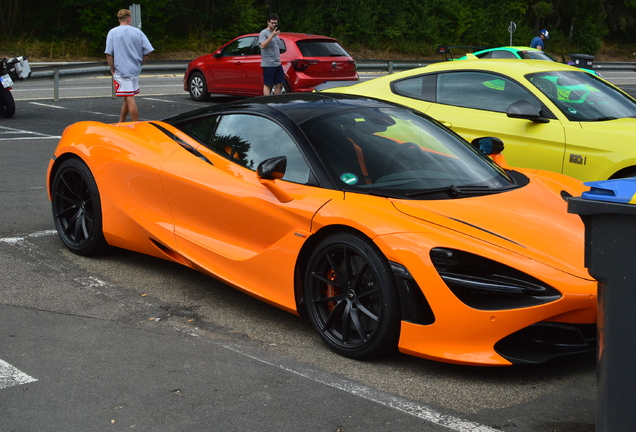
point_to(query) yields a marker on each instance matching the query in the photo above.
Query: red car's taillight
(301, 65)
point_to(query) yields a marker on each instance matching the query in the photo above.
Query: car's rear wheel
(7, 103)
(286, 89)
(77, 208)
(351, 297)
(198, 87)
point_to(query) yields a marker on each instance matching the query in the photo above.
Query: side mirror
(488, 145)
(217, 54)
(491, 147)
(525, 110)
(272, 168)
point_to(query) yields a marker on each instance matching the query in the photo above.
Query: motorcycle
(13, 69)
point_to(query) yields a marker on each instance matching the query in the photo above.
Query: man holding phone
(273, 74)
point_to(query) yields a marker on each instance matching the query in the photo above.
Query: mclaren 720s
(386, 229)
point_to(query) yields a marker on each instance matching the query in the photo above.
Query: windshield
(535, 55)
(581, 96)
(398, 153)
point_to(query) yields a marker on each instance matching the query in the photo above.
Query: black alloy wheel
(77, 208)
(351, 297)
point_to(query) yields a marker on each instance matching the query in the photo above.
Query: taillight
(302, 65)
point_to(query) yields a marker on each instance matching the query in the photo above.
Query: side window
(202, 130)
(502, 54)
(484, 91)
(239, 47)
(420, 87)
(485, 55)
(256, 49)
(248, 140)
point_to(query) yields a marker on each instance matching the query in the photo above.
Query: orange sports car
(383, 227)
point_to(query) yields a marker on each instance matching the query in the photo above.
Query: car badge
(334, 65)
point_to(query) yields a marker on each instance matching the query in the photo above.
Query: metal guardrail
(57, 70)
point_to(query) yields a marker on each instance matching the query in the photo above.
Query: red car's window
(256, 49)
(239, 47)
(317, 48)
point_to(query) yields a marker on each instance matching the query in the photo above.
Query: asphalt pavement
(129, 342)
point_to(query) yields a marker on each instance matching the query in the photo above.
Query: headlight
(484, 284)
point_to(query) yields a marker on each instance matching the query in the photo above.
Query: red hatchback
(235, 68)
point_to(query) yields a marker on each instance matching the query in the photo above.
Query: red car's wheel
(352, 298)
(77, 209)
(198, 87)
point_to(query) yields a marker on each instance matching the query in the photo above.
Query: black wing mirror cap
(272, 168)
(488, 145)
(525, 110)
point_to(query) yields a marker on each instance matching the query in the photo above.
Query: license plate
(6, 81)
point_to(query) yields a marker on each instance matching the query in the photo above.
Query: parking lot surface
(129, 342)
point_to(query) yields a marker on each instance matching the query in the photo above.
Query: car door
(225, 70)
(229, 223)
(252, 73)
(474, 104)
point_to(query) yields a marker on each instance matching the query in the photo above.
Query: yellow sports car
(550, 116)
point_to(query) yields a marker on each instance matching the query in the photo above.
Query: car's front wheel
(198, 87)
(351, 296)
(76, 208)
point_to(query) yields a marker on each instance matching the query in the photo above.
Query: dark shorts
(273, 75)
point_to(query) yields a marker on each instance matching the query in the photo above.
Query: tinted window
(201, 130)
(316, 48)
(502, 54)
(482, 91)
(248, 140)
(239, 47)
(419, 87)
(535, 55)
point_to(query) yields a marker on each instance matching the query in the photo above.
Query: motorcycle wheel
(7, 104)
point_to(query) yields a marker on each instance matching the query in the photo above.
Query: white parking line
(4, 131)
(22, 237)
(85, 111)
(10, 376)
(383, 398)
(159, 100)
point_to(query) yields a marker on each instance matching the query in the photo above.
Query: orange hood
(532, 221)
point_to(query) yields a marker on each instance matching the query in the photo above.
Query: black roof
(296, 106)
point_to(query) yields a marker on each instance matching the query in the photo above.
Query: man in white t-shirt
(127, 48)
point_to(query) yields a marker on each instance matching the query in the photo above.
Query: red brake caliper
(331, 289)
